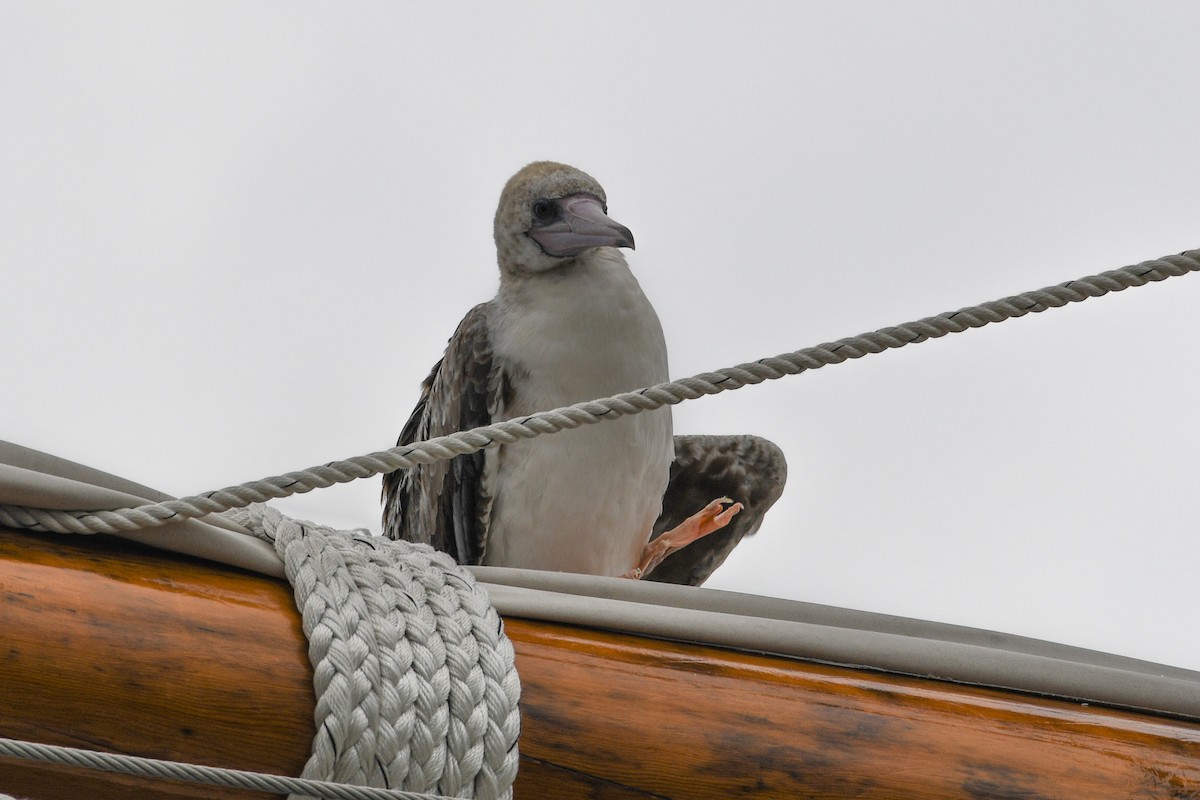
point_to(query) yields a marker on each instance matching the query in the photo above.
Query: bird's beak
(583, 225)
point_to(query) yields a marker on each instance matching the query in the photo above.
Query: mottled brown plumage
(747, 469)
(447, 503)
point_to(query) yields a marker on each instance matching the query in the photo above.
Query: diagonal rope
(463, 442)
(199, 773)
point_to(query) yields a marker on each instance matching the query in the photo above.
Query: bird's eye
(544, 211)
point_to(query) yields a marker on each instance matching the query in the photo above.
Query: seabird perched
(570, 323)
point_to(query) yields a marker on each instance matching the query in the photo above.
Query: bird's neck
(588, 325)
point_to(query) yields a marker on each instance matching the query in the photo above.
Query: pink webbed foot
(712, 517)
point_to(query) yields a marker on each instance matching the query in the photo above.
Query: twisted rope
(198, 773)
(415, 681)
(445, 447)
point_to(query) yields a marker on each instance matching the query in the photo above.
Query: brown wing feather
(447, 503)
(748, 469)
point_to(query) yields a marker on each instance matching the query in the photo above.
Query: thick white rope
(445, 447)
(198, 773)
(416, 683)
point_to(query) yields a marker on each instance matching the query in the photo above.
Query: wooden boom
(112, 646)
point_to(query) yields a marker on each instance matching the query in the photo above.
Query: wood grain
(113, 646)
(680, 721)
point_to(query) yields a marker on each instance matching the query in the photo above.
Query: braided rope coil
(594, 411)
(416, 683)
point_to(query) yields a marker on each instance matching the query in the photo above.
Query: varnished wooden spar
(657, 719)
(116, 647)
(107, 645)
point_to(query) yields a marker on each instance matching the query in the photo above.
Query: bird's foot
(712, 517)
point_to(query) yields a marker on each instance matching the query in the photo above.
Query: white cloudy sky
(234, 237)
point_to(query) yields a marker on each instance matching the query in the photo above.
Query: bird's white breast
(581, 500)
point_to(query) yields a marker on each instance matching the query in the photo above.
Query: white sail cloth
(760, 624)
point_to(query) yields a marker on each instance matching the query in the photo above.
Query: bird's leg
(712, 517)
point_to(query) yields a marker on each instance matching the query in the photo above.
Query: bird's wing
(748, 469)
(447, 503)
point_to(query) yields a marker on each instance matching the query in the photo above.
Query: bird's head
(548, 215)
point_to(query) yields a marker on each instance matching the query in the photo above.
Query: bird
(570, 323)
